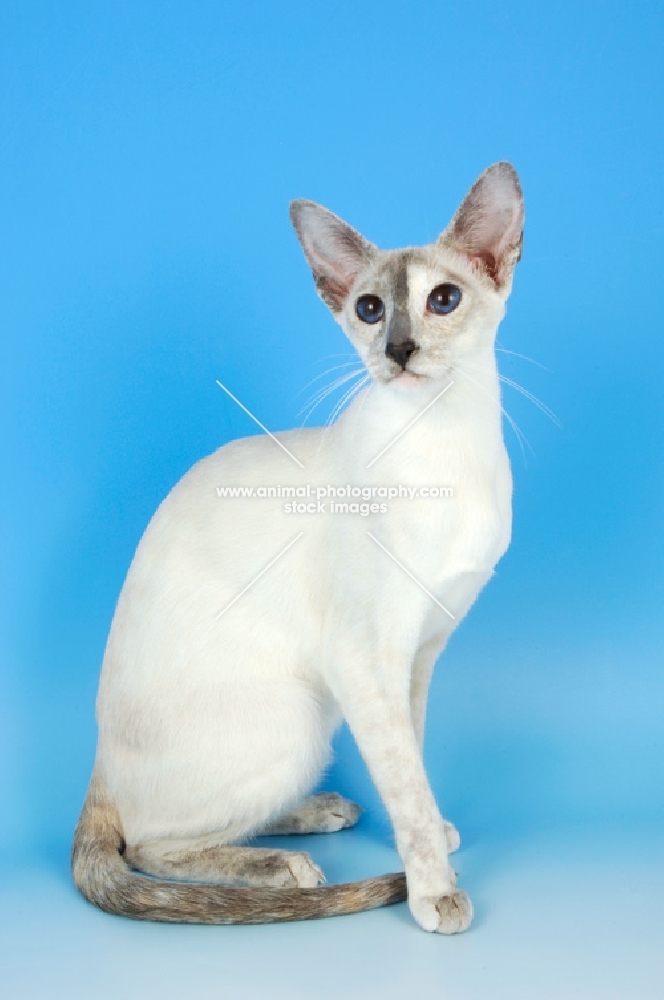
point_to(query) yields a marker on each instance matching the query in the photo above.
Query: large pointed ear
(335, 251)
(488, 227)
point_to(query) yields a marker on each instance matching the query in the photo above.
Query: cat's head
(416, 313)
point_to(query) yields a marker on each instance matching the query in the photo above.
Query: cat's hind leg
(325, 812)
(200, 859)
(328, 812)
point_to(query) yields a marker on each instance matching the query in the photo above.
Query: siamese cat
(248, 627)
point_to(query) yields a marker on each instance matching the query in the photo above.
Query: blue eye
(370, 308)
(444, 299)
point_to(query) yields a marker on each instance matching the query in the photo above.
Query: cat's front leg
(420, 679)
(377, 709)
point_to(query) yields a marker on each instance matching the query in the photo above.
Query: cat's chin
(409, 378)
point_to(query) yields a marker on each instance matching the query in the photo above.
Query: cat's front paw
(446, 914)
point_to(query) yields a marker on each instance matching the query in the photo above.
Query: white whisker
(317, 398)
(346, 398)
(346, 364)
(518, 433)
(533, 399)
(524, 357)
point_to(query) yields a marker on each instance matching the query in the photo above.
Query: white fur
(218, 726)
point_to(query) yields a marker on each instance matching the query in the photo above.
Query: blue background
(148, 152)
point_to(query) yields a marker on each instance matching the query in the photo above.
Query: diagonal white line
(257, 421)
(413, 578)
(217, 617)
(414, 420)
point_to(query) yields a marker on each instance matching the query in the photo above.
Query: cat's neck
(416, 421)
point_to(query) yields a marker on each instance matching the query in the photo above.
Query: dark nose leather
(401, 352)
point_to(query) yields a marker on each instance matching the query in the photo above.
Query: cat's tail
(105, 879)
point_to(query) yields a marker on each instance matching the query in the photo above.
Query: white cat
(215, 710)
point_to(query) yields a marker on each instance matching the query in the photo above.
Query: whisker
(518, 433)
(317, 398)
(532, 397)
(524, 357)
(346, 398)
(325, 390)
(346, 364)
(524, 392)
(371, 386)
(520, 436)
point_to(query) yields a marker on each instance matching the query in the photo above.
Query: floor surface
(558, 915)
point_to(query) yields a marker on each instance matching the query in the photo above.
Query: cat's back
(209, 539)
(210, 497)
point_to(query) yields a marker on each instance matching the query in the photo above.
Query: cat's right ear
(335, 251)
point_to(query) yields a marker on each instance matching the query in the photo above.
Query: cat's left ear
(488, 227)
(335, 251)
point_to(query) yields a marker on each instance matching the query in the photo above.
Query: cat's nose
(401, 352)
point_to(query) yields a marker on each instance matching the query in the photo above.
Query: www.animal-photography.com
(332, 658)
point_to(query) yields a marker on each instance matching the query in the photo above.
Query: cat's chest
(454, 499)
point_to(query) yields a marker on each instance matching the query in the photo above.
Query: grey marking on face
(399, 327)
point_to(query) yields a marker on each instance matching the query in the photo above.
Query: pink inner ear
(335, 251)
(334, 275)
(487, 227)
(331, 262)
(488, 262)
(490, 238)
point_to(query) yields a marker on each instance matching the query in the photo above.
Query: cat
(248, 628)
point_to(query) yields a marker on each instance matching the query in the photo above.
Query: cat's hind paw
(332, 812)
(273, 869)
(304, 873)
(325, 812)
(285, 870)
